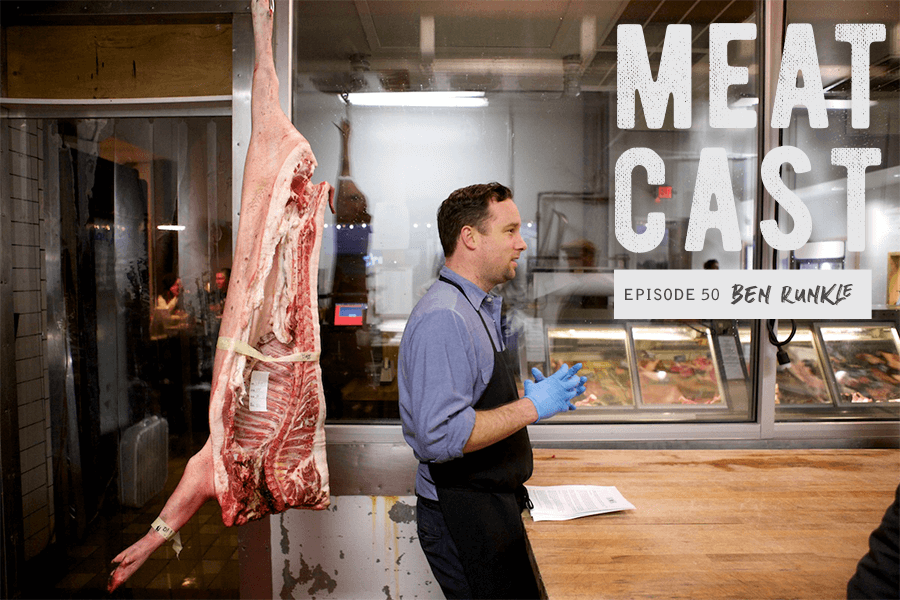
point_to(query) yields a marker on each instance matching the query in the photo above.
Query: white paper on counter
(564, 502)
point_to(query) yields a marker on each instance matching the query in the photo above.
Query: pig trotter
(194, 489)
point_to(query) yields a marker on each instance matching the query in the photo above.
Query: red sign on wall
(348, 314)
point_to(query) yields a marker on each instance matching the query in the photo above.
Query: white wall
(407, 161)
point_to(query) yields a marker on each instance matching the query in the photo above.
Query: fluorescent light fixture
(426, 99)
(586, 334)
(170, 227)
(665, 334)
(854, 334)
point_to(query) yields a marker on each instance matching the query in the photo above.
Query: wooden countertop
(714, 523)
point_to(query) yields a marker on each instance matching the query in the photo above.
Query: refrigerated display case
(677, 365)
(802, 382)
(651, 366)
(605, 353)
(849, 369)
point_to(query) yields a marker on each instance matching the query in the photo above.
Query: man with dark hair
(461, 410)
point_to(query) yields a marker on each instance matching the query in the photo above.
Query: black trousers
(441, 552)
(506, 575)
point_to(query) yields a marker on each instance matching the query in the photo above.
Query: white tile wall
(29, 306)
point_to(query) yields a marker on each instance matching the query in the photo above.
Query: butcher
(266, 450)
(461, 410)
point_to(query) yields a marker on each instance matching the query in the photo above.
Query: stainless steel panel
(769, 45)
(373, 438)
(242, 80)
(379, 463)
(55, 328)
(371, 469)
(60, 378)
(199, 106)
(143, 8)
(861, 434)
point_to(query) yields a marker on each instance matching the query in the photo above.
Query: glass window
(143, 226)
(145, 209)
(542, 121)
(846, 371)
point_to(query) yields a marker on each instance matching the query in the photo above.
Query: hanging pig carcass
(266, 450)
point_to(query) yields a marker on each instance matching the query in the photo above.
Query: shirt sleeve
(439, 368)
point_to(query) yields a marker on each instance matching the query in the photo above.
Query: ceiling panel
(476, 32)
(639, 11)
(721, 12)
(491, 43)
(675, 11)
(655, 15)
(396, 31)
(328, 31)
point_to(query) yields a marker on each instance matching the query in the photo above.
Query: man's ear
(468, 235)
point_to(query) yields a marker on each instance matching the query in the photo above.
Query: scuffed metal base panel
(363, 547)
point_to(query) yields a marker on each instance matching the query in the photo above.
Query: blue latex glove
(554, 394)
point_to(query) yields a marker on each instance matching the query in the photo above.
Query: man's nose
(522, 245)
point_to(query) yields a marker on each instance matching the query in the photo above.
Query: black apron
(482, 495)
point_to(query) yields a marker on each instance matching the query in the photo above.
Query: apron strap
(478, 312)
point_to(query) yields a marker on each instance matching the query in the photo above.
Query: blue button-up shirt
(446, 361)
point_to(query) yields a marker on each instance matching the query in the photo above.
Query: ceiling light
(170, 227)
(427, 99)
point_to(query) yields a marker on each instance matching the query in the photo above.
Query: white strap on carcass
(241, 347)
(163, 529)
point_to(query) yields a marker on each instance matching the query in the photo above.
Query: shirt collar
(475, 294)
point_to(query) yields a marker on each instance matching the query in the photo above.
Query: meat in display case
(837, 365)
(802, 382)
(643, 365)
(864, 361)
(604, 353)
(676, 365)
